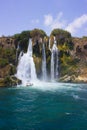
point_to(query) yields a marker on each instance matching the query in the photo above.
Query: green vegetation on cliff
(72, 54)
(7, 65)
(23, 38)
(65, 46)
(7, 56)
(61, 33)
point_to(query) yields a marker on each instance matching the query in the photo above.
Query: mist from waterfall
(54, 62)
(26, 68)
(44, 70)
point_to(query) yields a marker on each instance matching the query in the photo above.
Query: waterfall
(54, 62)
(44, 71)
(18, 48)
(52, 65)
(49, 44)
(57, 60)
(20, 55)
(26, 67)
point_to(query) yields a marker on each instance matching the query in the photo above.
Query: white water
(49, 45)
(54, 62)
(26, 67)
(52, 66)
(18, 48)
(20, 55)
(44, 71)
(53, 86)
(57, 72)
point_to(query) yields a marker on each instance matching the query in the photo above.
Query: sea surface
(44, 106)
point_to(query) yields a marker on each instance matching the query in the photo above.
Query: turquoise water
(49, 106)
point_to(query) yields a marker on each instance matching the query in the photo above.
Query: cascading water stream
(44, 71)
(49, 45)
(20, 55)
(52, 66)
(54, 62)
(57, 60)
(26, 67)
(18, 48)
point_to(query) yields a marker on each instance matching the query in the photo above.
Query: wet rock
(68, 78)
(9, 81)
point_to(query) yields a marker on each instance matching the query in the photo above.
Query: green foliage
(68, 69)
(67, 59)
(70, 45)
(84, 37)
(24, 36)
(61, 33)
(37, 32)
(63, 47)
(8, 55)
(63, 38)
(68, 64)
(22, 39)
(3, 62)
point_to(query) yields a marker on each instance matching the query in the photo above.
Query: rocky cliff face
(72, 57)
(7, 42)
(80, 48)
(7, 61)
(77, 71)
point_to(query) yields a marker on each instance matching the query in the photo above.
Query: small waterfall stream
(54, 62)
(20, 55)
(44, 71)
(52, 65)
(18, 48)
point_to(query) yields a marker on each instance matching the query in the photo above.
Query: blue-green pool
(49, 106)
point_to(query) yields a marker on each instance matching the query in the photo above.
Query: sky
(19, 15)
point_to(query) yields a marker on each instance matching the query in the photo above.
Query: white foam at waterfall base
(55, 86)
(26, 68)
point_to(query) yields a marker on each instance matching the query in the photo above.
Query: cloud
(54, 22)
(74, 26)
(57, 22)
(48, 19)
(36, 21)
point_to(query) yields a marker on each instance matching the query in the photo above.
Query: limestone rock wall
(6, 42)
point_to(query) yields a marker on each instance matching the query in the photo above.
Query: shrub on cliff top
(61, 33)
(38, 32)
(22, 39)
(63, 37)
